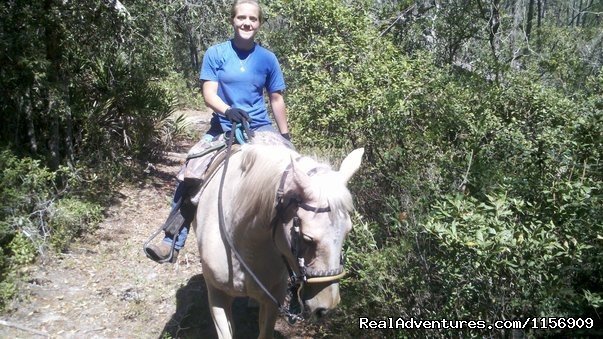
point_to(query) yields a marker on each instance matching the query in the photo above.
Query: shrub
(479, 199)
(36, 214)
(69, 218)
(510, 227)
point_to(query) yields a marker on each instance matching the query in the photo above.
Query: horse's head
(315, 211)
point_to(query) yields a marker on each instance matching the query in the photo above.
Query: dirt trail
(105, 287)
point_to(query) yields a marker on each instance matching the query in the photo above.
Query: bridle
(306, 274)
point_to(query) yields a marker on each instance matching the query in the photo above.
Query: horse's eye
(308, 239)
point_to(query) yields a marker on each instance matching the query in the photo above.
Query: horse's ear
(350, 164)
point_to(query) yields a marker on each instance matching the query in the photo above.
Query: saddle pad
(215, 163)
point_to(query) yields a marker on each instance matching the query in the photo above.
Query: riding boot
(162, 253)
(182, 214)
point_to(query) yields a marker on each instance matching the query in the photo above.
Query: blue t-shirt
(242, 77)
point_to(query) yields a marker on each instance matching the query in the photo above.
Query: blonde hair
(233, 9)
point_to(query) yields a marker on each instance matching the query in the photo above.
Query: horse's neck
(256, 247)
(252, 202)
(252, 234)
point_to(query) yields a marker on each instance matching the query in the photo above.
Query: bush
(510, 227)
(502, 253)
(36, 214)
(479, 199)
(69, 218)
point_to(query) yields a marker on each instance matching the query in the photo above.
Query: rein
(281, 309)
(307, 276)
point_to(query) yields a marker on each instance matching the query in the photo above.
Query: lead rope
(282, 310)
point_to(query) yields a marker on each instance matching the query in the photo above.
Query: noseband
(306, 275)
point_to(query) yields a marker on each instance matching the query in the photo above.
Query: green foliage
(481, 198)
(76, 88)
(184, 94)
(126, 113)
(88, 94)
(568, 56)
(25, 187)
(35, 214)
(8, 288)
(336, 71)
(508, 220)
(69, 218)
(480, 192)
(22, 250)
(503, 244)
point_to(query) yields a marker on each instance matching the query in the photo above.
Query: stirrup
(174, 217)
(155, 258)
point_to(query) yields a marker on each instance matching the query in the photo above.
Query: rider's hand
(236, 115)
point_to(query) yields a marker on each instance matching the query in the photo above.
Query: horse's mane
(263, 166)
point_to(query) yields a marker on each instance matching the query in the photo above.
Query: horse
(284, 216)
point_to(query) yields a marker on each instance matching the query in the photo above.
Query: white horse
(280, 209)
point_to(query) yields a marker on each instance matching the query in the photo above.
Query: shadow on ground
(193, 320)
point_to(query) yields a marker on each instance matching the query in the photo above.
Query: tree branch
(402, 15)
(23, 328)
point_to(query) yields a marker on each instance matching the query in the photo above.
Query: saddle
(202, 162)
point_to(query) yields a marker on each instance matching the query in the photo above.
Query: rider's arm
(277, 102)
(211, 98)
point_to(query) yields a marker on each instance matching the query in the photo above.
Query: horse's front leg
(268, 315)
(220, 305)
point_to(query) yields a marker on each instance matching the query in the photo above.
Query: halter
(306, 274)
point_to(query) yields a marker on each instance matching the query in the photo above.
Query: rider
(234, 75)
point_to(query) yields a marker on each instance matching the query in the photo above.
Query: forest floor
(105, 286)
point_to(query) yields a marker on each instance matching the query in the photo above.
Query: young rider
(234, 75)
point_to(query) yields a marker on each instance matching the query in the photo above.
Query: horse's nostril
(321, 312)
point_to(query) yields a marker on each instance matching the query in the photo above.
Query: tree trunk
(59, 115)
(541, 11)
(529, 20)
(572, 14)
(193, 51)
(68, 134)
(31, 129)
(579, 16)
(515, 43)
(25, 107)
(586, 13)
(54, 138)
(494, 38)
(53, 56)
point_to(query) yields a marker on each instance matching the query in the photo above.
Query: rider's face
(246, 21)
